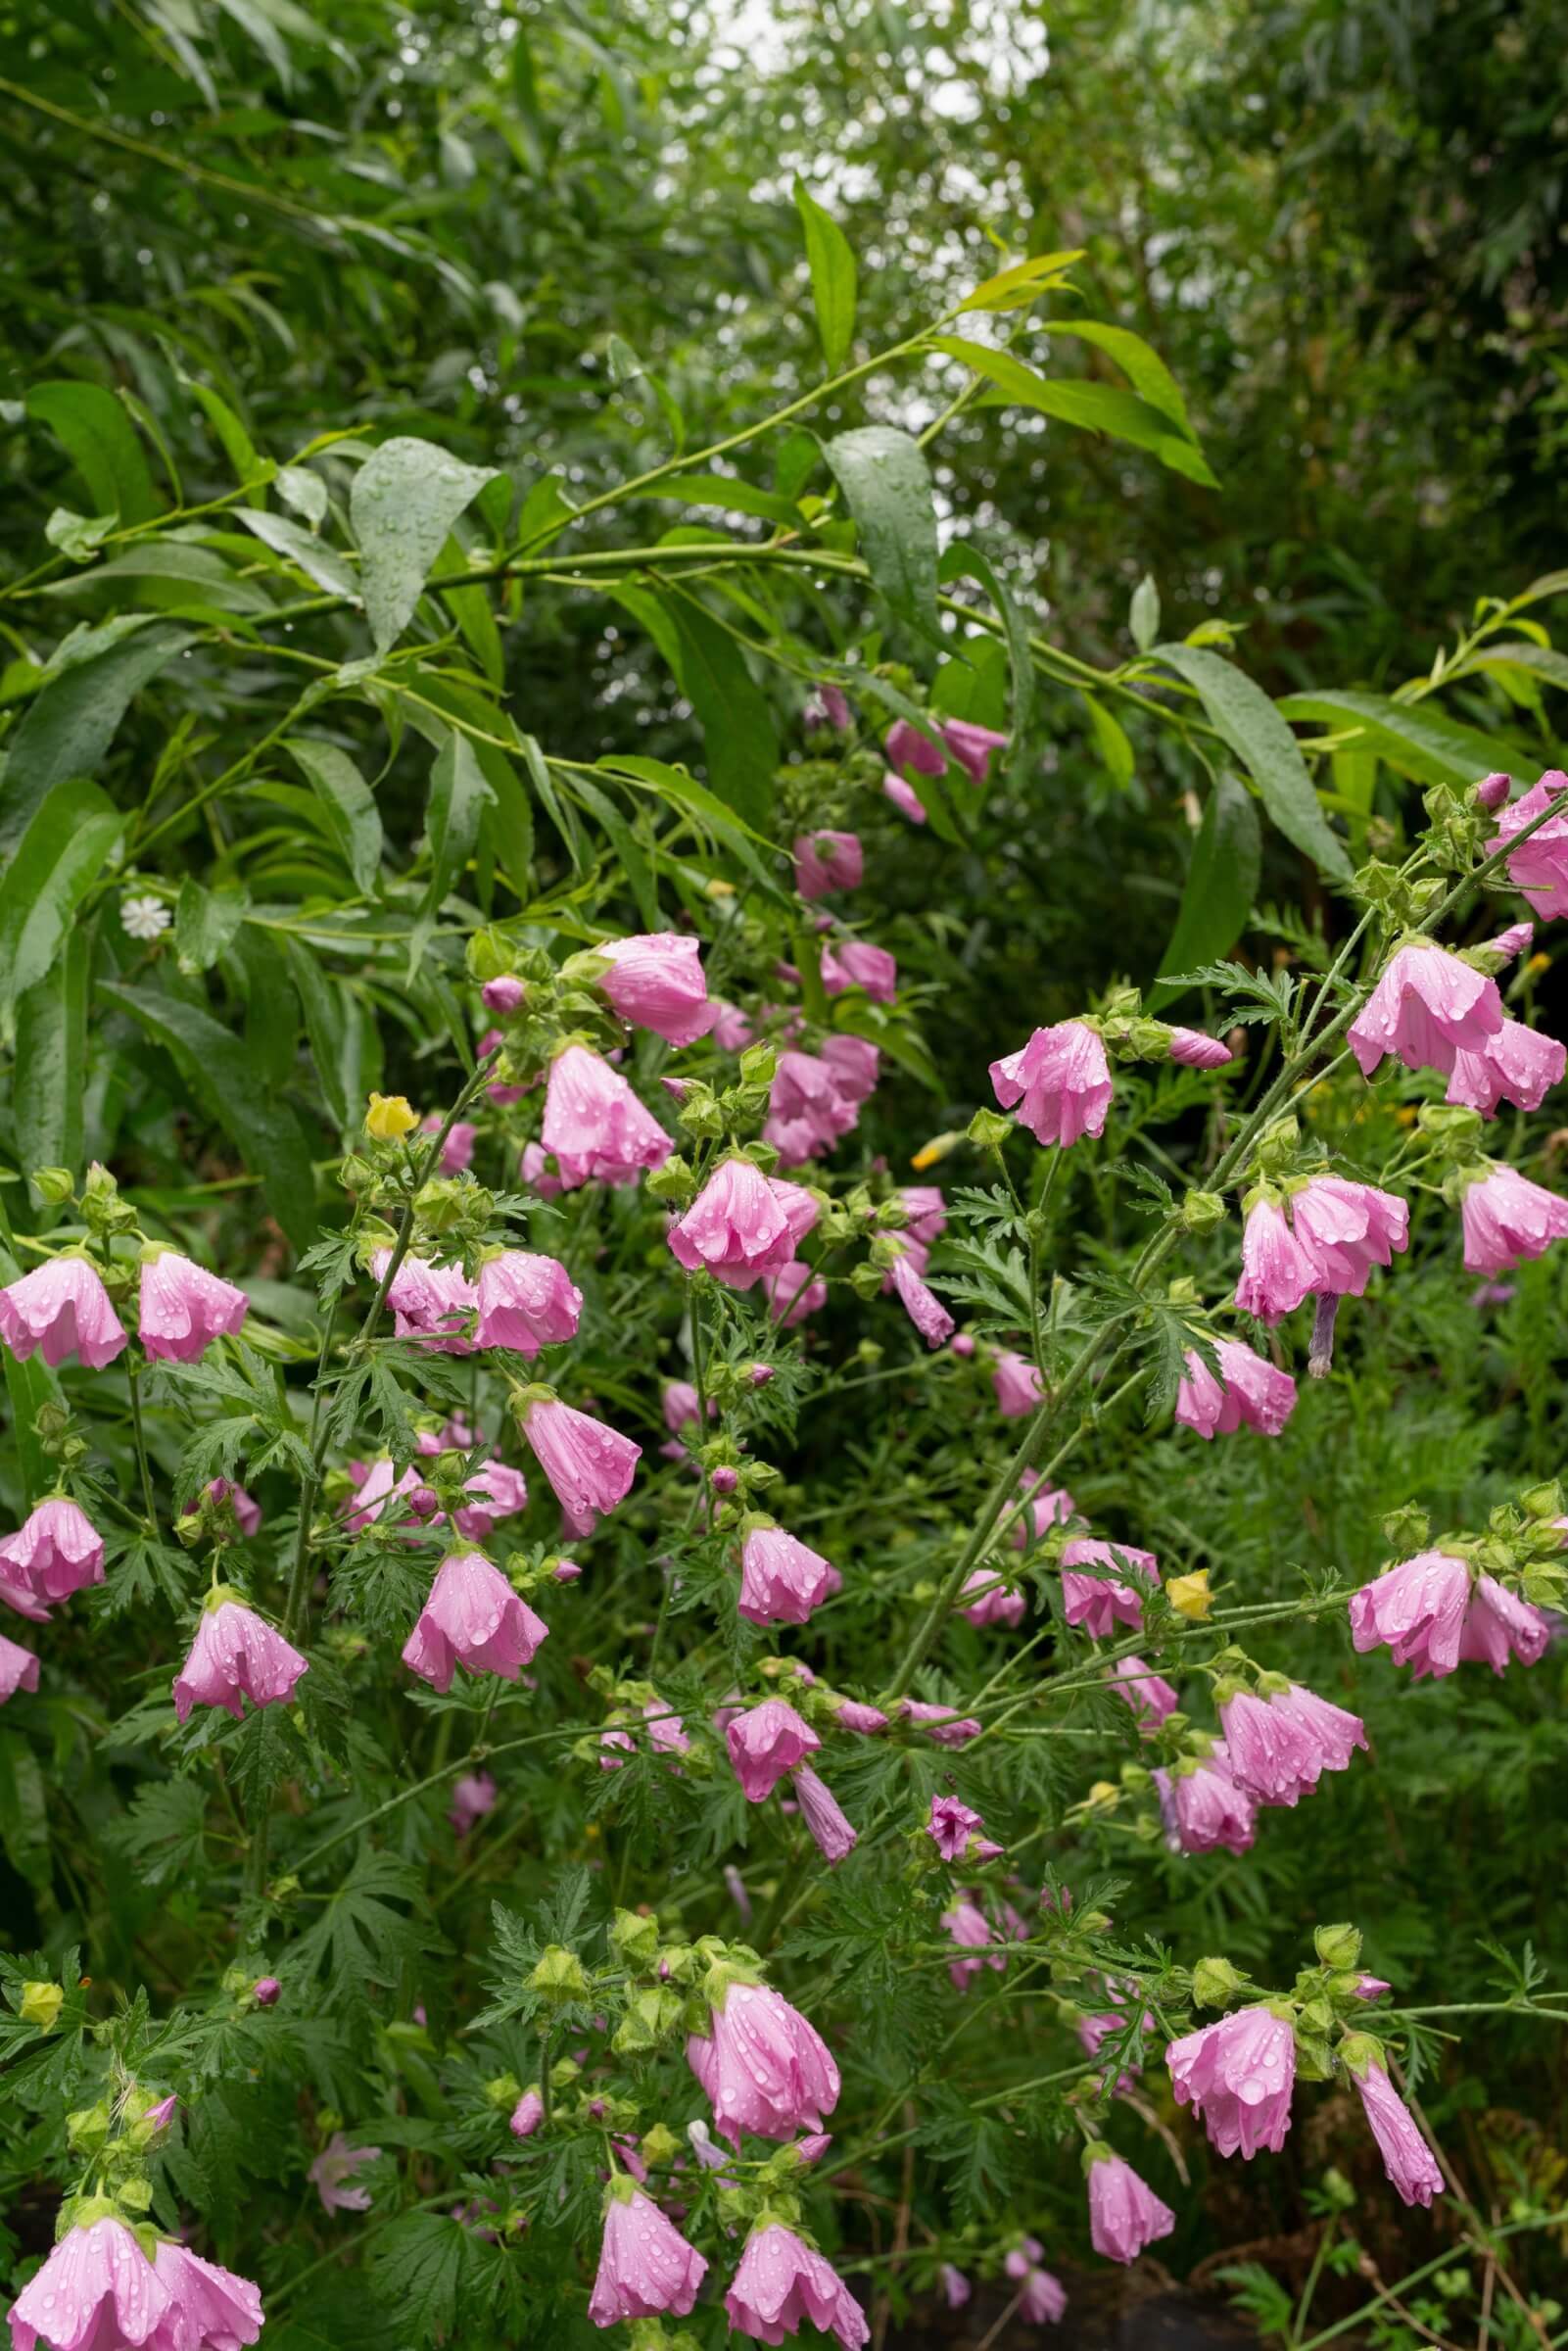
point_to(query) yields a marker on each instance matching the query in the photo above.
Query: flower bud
(388, 1117)
(634, 1937)
(504, 2092)
(759, 1065)
(659, 2146)
(489, 955)
(1201, 1211)
(1543, 1501)
(988, 1128)
(40, 2004)
(560, 1973)
(1213, 1982)
(1190, 1595)
(1407, 1530)
(53, 1186)
(87, 2130)
(1337, 1947)
(673, 1182)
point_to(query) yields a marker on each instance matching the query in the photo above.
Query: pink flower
(1497, 1625)
(853, 1714)
(61, 1309)
(1048, 1507)
(827, 706)
(742, 1224)
(527, 2115)
(1277, 1272)
(211, 2310)
(1248, 1390)
(472, 1796)
(924, 1308)
(97, 2291)
(1538, 867)
(1408, 2160)
(1017, 1384)
(1505, 1217)
(852, 1063)
(955, 2285)
(666, 1734)
(793, 1292)
(732, 1031)
(1492, 790)
(429, 1301)
(1196, 1051)
(681, 1407)
(1238, 2075)
(824, 1816)
(986, 1600)
(525, 1302)
(646, 2267)
(500, 1092)
(1100, 1603)
(247, 1509)
(856, 963)
(969, 1927)
(236, 1655)
(337, 2163)
(184, 1307)
(827, 861)
(655, 980)
(970, 745)
(503, 994)
(809, 1110)
(1371, 1988)
(474, 1619)
(266, 1992)
(763, 2068)
(457, 1151)
(1043, 2299)
(1061, 1080)
(1427, 1006)
(595, 1124)
(1346, 1230)
(18, 1670)
(1278, 1747)
(1124, 2214)
(1202, 1806)
(905, 798)
(764, 1742)
(783, 2283)
(1150, 1698)
(1416, 1609)
(926, 1211)
(590, 1467)
(781, 1580)
(55, 1552)
(958, 1832)
(944, 1726)
(532, 1167)
(1518, 1065)
(502, 1492)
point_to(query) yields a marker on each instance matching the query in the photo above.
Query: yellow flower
(1539, 964)
(40, 2004)
(1190, 1595)
(388, 1117)
(938, 1148)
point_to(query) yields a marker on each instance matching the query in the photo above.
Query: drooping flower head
(1202, 1808)
(1017, 1385)
(656, 982)
(920, 1302)
(1497, 1625)
(762, 2066)
(1279, 1745)
(590, 1467)
(332, 2173)
(781, 1581)
(1238, 2075)
(1042, 2300)
(944, 1726)
(1059, 1082)
(742, 1224)
(1538, 867)
(958, 1832)
(18, 1670)
(525, 1302)
(55, 1552)
(184, 1307)
(60, 1308)
(1197, 1051)
(213, 2310)
(97, 2291)
(784, 2283)
(857, 963)
(1506, 1218)
(765, 1741)
(433, 1304)
(1518, 1065)
(1427, 1006)
(473, 1794)
(595, 1124)
(1100, 1603)
(1124, 2214)
(1408, 2161)
(457, 1151)
(1346, 1230)
(1150, 1698)
(474, 1619)
(985, 1599)
(834, 1831)
(1416, 1610)
(794, 1291)
(646, 2267)
(827, 861)
(236, 1655)
(1248, 1392)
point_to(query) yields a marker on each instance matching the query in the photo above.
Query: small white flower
(144, 918)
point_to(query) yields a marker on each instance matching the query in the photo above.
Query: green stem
(134, 1374)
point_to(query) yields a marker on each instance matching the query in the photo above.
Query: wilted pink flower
(236, 1655)
(969, 1927)
(924, 1308)
(1042, 2300)
(61, 1309)
(793, 1292)
(1498, 1624)
(1124, 2213)
(1017, 1384)
(1427, 1006)
(958, 1832)
(1202, 1806)
(1248, 1390)
(1415, 1609)
(856, 963)
(1278, 1747)
(1060, 1081)
(783, 2283)
(247, 1509)
(55, 1551)
(1101, 1602)
(1150, 1698)
(646, 2267)
(944, 1726)
(595, 1124)
(1196, 1051)
(1538, 867)
(853, 1714)
(18, 1670)
(184, 1307)
(827, 861)
(336, 2164)
(781, 1580)
(525, 1302)
(764, 1742)
(1346, 1230)
(1238, 2075)
(986, 1600)
(1408, 2160)
(457, 1151)
(266, 1992)
(474, 1619)
(655, 980)
(824, 1815)
(764, 2069)
(742, 1224)
(472, 1796)
(213, 2310)
(1518, 1065)
(955, 2285)
(905, 798)
(527, 2115)
(97, 2291)
(1277, 1272)
(1505, 1217)
(590, 1467)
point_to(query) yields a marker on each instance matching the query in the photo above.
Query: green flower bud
(674, 1182)
(53, 1186)
(1202, 1211)
(1213, 1982)
(989, 1129)
(658, 2148)
(40, 2005)
(1338, 1946)
(560, 1975)
(1543, 1501)
(503, 2092)
(637, 1939)
(1407, 1529)
(87, 2130)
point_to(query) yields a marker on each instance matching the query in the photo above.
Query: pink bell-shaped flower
(211, 2309)
(763, 2068)
(656, 982)
(781, 1581)
(525, 1302)
(834, 1832)
(184, 1307)
(1506, 1218)
(646, 2267)
(1124, 2214)
(474, 1619)
(590, 1467)
(1238, 2075)
(1017, 1385)
(784, 2283)
(1059, 1082)
(764, 1742)
(1416, 1610)
(1202, 1808)
(236, 1655)
(742, 1224)
(857, 963)
(18, 1670)
(1100, 1603)
(1427, 1006)
(827, 861)
(1248, 1392)
(595, 1124)
(1538, 867)
(60, 1308)
(1279, 1745)
(55, 1552)
(97, 2291)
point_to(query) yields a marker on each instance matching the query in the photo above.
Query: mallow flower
(1427, 1006)
(985, 1599)
(1538, 867)
(1518, 1065)
(1202, 1807)
(211, 2309)
(761, 2065)
(857, 963)
(766, 1740)
(958, 1831)
(525, 1302)
(1196, 1050)
(656, 982)
(969, 744)
(97, 2291)
(474, 1619)
(920, 1302)
(1408, 2161)
(834, 1831)
(742, 1224)
(184, 1307)
(589, 1465)
(1059, 1082)
(1497, 1625)
(1124, 2214)
(1100, 1603)
(781, 1581)
(1015, 1384)
(944, 1726)
(1506, 1218)
(1143, 1689)
(1248, 1392)
(236, 1655)
(55, 1552)
(1279, 1743)
(826, 861)
(18, 1670)
(1238, 2075)
(595, 1124)
(1042, 2298)
(646, 2267)
(784, 2283)
(333, 2169)
(60, 1308)
(1416, 1610)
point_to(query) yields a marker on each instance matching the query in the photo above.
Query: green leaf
(51, 1072)
(1145, 370)
(24, 1811)
(962, 558)
(723, 491)
(100, 440)
(61, 855)
(28, 1387)
(347, 804)
(1110, 742)
(414, 2269)
(207, 923)
(681, 791)
(887, 488)
(737, 731)
(1015, 288)
(321, 564)
(264, 1130)
(356, 1933)
(332, 1024)
(470, 609)
(184, 576)
(624, 841)
(458, 795)
(1243, 714)
(1414, 739)
(1097, 408)
(234, 441)
(833, 277)
(1144, 616)
(404, 502)
(1222, 883)
(71, 723)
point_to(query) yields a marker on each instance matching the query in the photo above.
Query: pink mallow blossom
(742, 1224)
(1538, 867)
(334, 2168)
(1248, 1392)
(1279, 1746)
(1336, 1233)
(944, 1726)
(247, 1509)
(958, 1832)
(1505, 1217)
(1017, 1385)
(213, 2310)
(1100, 1603)
(184, 1307)
(1042, 2300)
(1427, 1006)
(827, 861)
(1238, 2075)
(793, 1292)
(784, 2283)
(1150, 1698)
(457, 1151)
(236, 1655)
(1124, 2214)
(920, 1302)
(656, 982)
(589, 1465)
(764, 1742)
(781, 1581)
(55, 1552)
(525, 1302)
(429, 1303)
(474, 1619)
(1497, 1625)
(1197, 1051)
(18, 1670)
(1202, 1808)
(985, 1599)
(856, 963)
(834, 1832)
(473, 1794)
(594, 1123)
(60, 1308)
(527, 2115)
(1408, 2161)
(1059, 1082)
(1415, 1609)
(969, 744)
(1518, 1065)
(762, 2066)
(646, 2267)
(97, 2291)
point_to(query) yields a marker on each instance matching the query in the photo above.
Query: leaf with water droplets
(886, 486)
(405, 499)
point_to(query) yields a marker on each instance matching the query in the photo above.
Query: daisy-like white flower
(144, 918)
